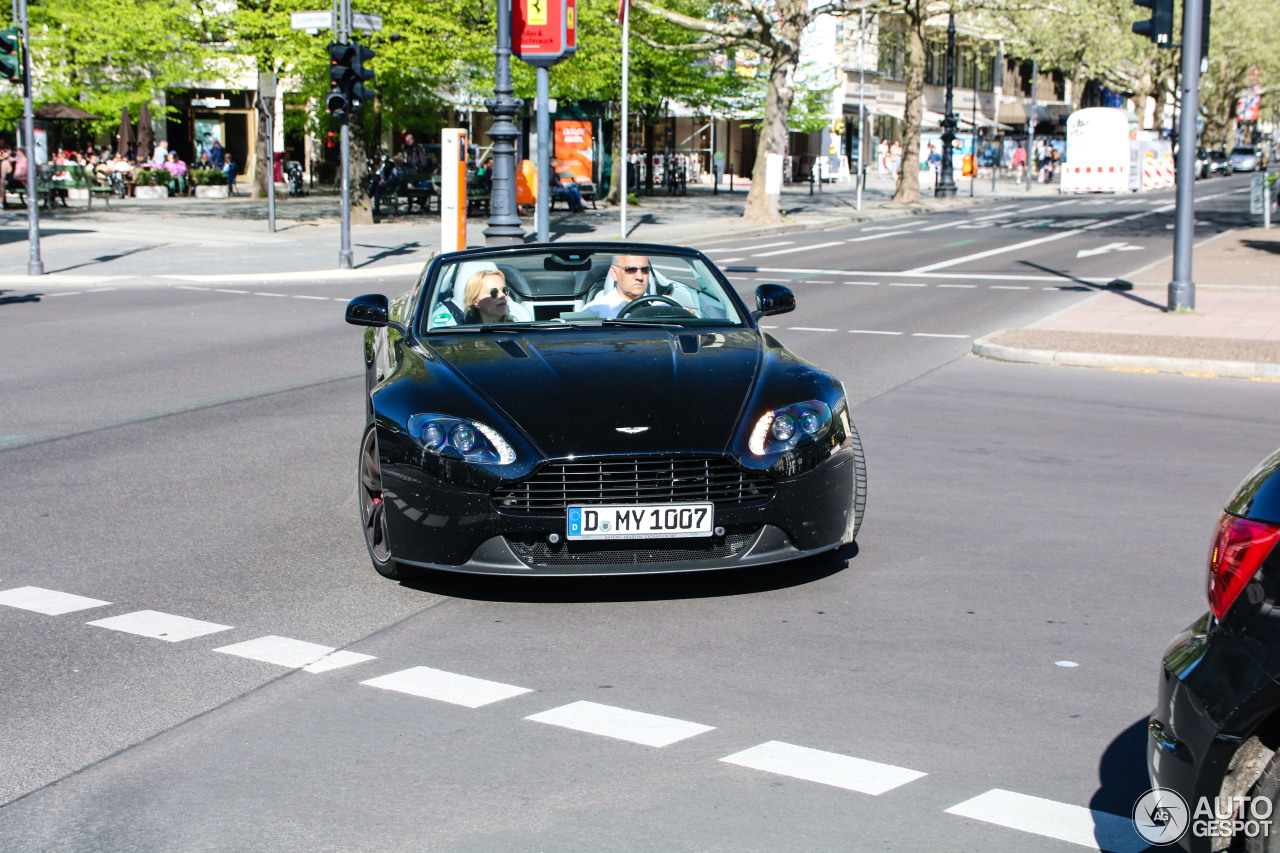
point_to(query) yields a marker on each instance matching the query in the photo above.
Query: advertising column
(453, 189)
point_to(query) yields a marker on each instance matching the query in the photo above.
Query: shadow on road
(1115, 286)
(1122, 778)
(659, 587)
(389, 252)
(103, 259)
(25, 297)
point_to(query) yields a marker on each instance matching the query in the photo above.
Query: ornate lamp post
(946, 179)
(504, 223)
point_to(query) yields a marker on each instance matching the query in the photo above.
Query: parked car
(1220, 163)
(1202, 163)
(1244, 158)
(1216, 727)
(595, 408)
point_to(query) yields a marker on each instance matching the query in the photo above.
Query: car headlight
(459, 438)
(790, 427)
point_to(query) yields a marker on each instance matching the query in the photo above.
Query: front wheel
(373, 512)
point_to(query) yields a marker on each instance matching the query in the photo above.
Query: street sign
(539, 32)
(1257, 194)
(366, 21)
(311, 20)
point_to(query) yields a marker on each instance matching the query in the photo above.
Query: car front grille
(634, 480)
(539, 553)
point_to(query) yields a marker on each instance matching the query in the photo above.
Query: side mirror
(372, 309)
(773, 299)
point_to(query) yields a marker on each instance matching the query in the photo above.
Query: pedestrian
(415, 156)
(935, 162)
(1019, 162)
(177, 174)
(229, 169)
(895, 159)
(1054, 157)
(215, 153)
(882, 158)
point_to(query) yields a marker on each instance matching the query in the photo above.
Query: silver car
(1244, 158)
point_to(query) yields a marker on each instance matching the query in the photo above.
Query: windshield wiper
(644, 324)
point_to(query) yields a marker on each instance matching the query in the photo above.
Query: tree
(771, 28)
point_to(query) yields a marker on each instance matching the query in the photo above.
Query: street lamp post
(946, 187)
(504, 223)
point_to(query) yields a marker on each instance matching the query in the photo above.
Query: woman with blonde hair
(485, 298)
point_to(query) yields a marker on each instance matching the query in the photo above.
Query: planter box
(150, 192)
(211, 191)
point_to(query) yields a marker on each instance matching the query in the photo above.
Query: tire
(1268, 785)
(373, 514)
(859, 481)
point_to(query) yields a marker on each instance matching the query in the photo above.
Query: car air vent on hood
(513, 349)
(689, 344)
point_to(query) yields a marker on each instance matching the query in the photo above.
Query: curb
(984, 348)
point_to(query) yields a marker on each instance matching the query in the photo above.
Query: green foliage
(103, 56)
(207, 177)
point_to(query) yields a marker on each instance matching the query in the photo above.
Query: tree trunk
(619, 163)
(908, 189)
(648, 158)
(264, 169)
(361, 203)
(762, 207)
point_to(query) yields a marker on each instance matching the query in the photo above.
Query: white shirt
(608, 302)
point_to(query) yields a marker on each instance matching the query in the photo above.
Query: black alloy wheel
(373, 513)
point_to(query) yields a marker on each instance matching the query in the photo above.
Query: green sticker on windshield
(442, 317)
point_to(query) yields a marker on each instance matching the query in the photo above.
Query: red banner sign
(539, 31)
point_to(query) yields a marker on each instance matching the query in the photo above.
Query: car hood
(613, 391)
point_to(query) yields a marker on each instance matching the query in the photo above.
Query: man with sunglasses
(630, 275)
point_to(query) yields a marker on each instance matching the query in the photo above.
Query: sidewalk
(163, 241)
(1234, 330)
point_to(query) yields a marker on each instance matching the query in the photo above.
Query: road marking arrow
(1110, 247)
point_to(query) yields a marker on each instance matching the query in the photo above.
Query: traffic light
(11, 54)
(1159, 27)
(347, 76)
(1206, 13)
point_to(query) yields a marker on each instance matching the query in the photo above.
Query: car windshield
(1248, 152)
(575, 287)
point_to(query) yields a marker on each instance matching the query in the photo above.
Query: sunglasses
(495, 292)
(634, 270)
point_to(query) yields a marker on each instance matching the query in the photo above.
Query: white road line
(620, 723)
(1043, 206)
(989, 252)
(100, 290)
(885, 227)
(1076, 824)
(807, 329)
(965, 286)
(190, 287)
(256, 293)
(907, 284)
(1008, 287)
(863, 283)
(446, 686)
(160, 626)
(825, 768)
(938, 227)
(740, 248)
(958, 276)
(47, 601)
(294, 654)
(871, 332)
(302, 296)
(225, 290)
(874, 237)
(796, 249)
(935, 335)
(67, 293)
(728, 260)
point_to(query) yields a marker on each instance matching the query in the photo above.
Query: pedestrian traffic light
(11, 54)
(1159, 27)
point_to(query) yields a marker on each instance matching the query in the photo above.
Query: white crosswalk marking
(47, 601)
(160, 626)
(446, 686)
(620, 723)
(825, 768)
(295, 654)
(1092, 829)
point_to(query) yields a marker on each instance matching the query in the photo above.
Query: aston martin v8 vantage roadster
(595, 408)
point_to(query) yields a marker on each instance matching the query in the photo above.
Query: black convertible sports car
(595, 408)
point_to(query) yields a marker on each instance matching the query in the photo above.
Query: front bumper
(438, 526)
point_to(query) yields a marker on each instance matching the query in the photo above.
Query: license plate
(640, 521)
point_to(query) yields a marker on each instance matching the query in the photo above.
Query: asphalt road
(191, 451)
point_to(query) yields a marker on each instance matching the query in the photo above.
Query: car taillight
(1239, 547)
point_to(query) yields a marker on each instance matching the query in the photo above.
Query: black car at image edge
(521, 420)
(1216, 729)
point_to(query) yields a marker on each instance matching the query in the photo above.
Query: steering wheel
(641, 301)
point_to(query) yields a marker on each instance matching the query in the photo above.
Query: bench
(411, 194)
(585, 188)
